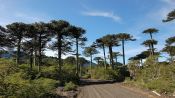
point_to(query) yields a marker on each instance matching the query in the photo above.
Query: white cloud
(169, 1)
(103, 14)
(23, 16)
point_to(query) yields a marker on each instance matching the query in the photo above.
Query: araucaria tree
(98, 60)
(77, 33)
(170, 48)
(89, 52)
(110, 41)
(58, 28)
(16, 32)
(43, 36)
(116, 55)
(4, 40)
(30, 45)
(151, 31)
(123, 37)
(150, 43)
(170, 16)
(99, 43)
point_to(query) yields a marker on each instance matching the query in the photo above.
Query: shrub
(21, 88)
(86, 76)
(102, 73)
(162, 86)
(68, 74)
(49, 72)
(154, 75)
(70, 86)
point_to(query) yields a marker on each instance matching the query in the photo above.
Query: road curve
(109, 91)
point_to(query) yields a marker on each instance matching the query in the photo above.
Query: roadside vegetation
(152, 74)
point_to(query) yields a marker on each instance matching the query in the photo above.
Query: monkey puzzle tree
(110, 41)
(89, 52)
(141, 56)
(123, 37)
(28, 49)
(170, 40)
(101, 44)
(116, 55)
(150, 43)
(29, 46)
(170, 48)
(77, 33)
(151, 31)
(170, 16)
(16, 32)
(58, 28)
(171, 51)
(43, 36)
(98, 59)
(32, 34)
(4, 40)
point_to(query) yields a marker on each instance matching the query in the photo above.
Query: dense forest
(26, 72)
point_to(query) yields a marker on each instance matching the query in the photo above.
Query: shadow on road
(84, 82)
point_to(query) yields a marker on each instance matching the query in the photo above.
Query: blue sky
(98, 17)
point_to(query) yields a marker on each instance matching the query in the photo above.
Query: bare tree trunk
(40, 58)
(151, 35)
(35, 51)
(150, 50)
(116, 59)
(77, 57)
(111, 57)
(152, 46)
(18, 51)
(104, 53)
(91, 65)
(31, 59)
(59, 53)
(123, 49)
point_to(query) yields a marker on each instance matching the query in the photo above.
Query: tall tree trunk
(91, 64)
(35, 51)
(151, 35)
(18, 51)
(150, 50)
(31, 59)
(40, 50)
(77, 57)
(152, 46)
(123, 49)
(116, 59)
(104, 53)
(111, 57)
(59, 52)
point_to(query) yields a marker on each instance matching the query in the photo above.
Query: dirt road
(110, 91)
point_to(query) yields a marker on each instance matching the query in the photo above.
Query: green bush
(49, 72)
(162, 86)
(23, 82)
(86, 76)
(68, 74)
(22, 88)
(70, 86)
(154, 75)
(102, 73)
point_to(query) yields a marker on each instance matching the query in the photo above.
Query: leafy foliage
(70, 86)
